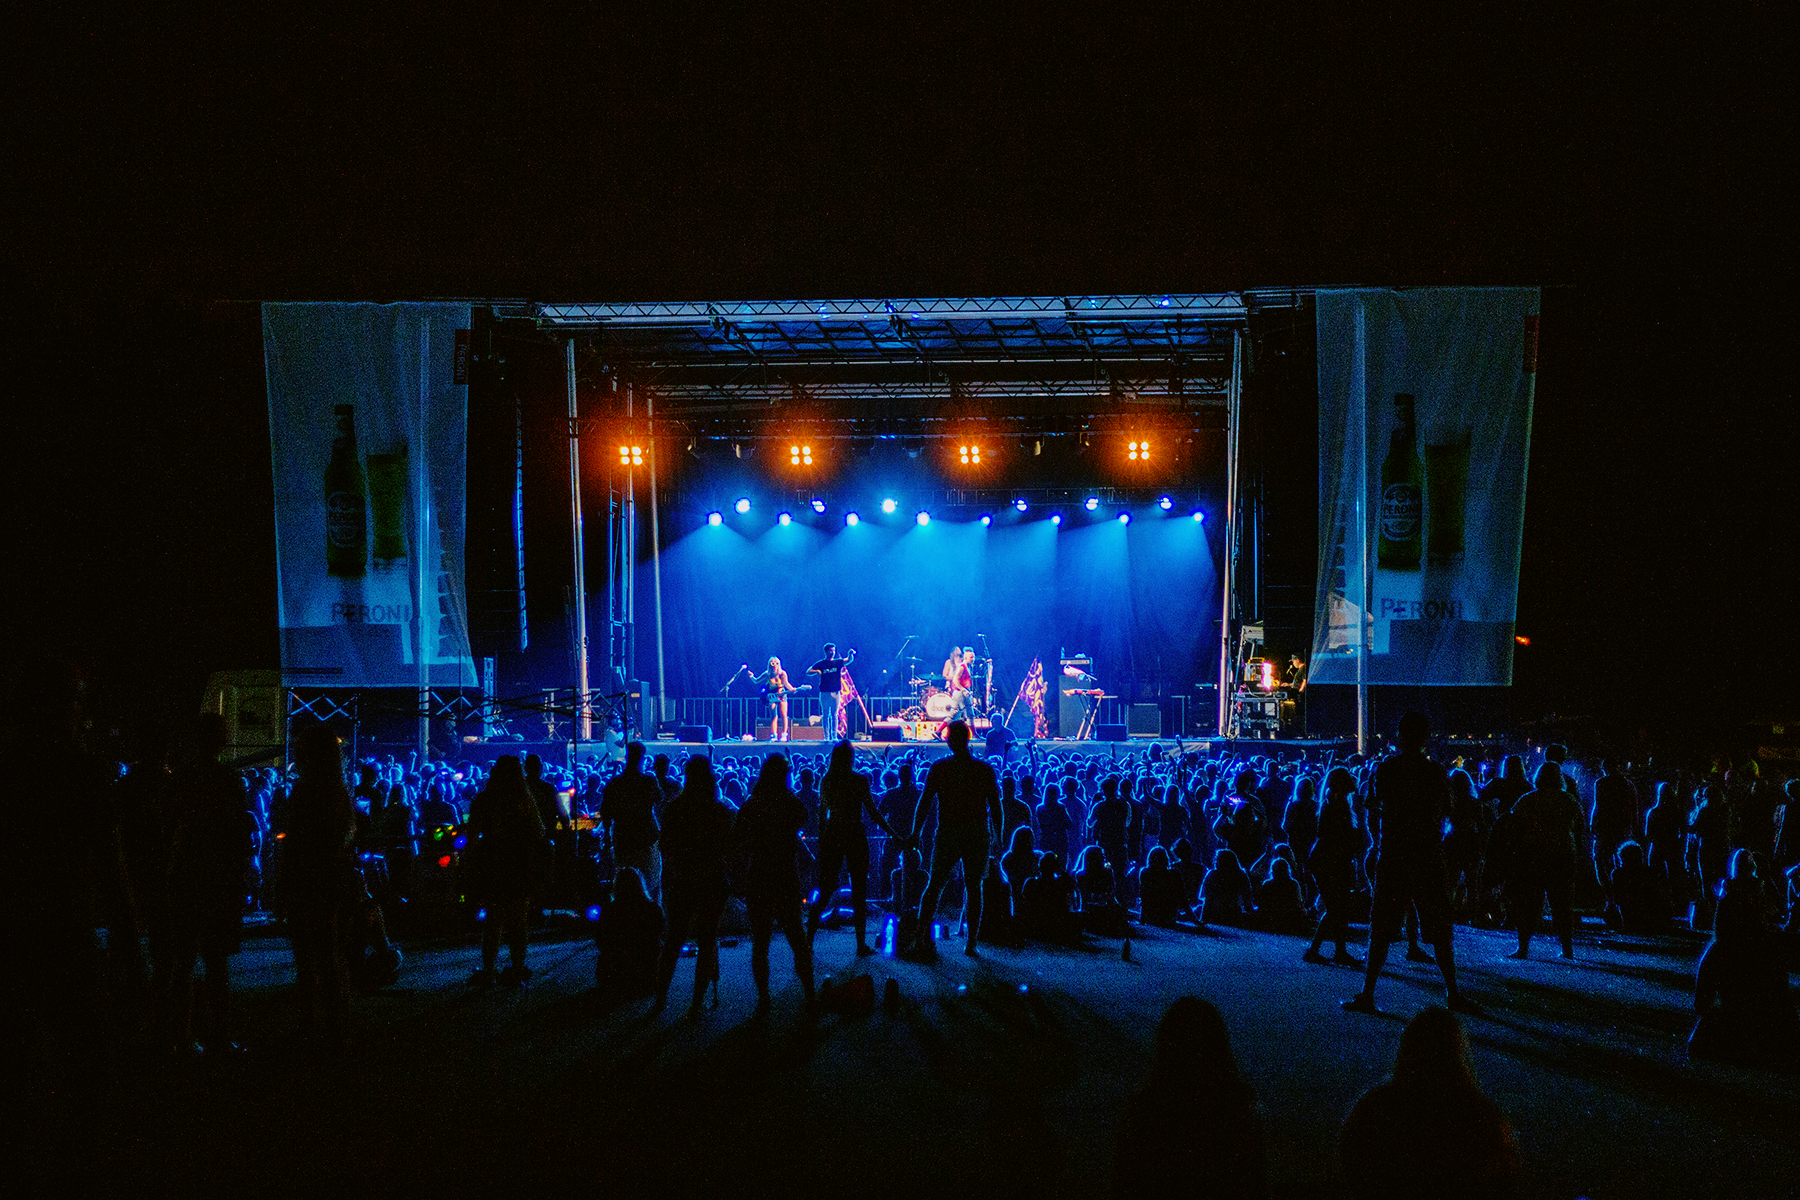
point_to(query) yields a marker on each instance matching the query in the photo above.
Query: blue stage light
(743, 504)
(888, 506)
(1020, 504)
(714, 518)
(818, 505)
(1124, 518)
(986, 520)
(593, 912)
(1165, 504)
(1090, 504)
(924, 518)
(1199, 516)
(1056, 518)
(851, 519)
(784, 519)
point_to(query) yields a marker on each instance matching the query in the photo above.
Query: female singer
(776, 687)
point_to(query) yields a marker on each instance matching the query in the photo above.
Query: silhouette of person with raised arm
(767, 832)
(696, 837)
(966, 796)
(1411, 798)
(1428, 1132)
(844, 796)
(1194, 1129)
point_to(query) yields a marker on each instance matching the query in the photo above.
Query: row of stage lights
(890, 506)
(968, 454)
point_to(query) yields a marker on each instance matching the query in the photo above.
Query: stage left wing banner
(368, 407)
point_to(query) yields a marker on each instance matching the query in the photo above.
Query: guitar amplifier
(809, 733)
(1144, 721)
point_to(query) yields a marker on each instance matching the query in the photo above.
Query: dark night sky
(170, 176)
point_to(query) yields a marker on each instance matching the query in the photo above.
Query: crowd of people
(661, 853)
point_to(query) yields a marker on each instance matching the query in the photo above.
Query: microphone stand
(726, 690)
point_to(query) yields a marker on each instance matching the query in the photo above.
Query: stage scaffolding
(860, 368)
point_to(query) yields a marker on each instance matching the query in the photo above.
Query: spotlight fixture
(818, 505)
(1056, 518)
(971, 455)
(1138, 451)
(1090, 504)
(1165, 504)
(986, 519)
(713, 518)
(888, 506)
(852, 520)
(785, 519)
(1020, 504)
(743, 504)
(800, 455)
(1124, 518)
(924, 518)
(1199, 516)
(631, 456)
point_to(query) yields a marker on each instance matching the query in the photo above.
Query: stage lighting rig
(818, 505)
(631, 456)
(714, 518)
(743, 505)
(969, 453)
(1138, 449)
(800, 454)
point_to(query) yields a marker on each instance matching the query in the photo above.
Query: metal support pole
(662, 682)
(422, 509)
(584, 711)
(628, 567)
(1233, 406)
(1365, 628)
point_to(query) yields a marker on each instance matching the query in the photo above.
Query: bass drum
(940, 706)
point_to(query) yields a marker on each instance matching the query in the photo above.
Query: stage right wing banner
(1425, 403)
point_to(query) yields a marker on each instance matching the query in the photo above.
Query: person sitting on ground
(1019, 863)
(1048, 902)
(1160, 890)
(1428, 1131)
(1226, 893)
(1745, 1009)
(1278, 900)
(1637, 898)
(1195, 1127)
(628, 938)
(1187, 866)
(1101, 912)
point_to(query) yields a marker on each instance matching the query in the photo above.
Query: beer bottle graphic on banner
(387, 508)
(1402, 493)
(346, 502)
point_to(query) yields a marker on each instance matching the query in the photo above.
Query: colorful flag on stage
(846, 695)
(1035, 689)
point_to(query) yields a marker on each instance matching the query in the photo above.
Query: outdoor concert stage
(1313, 748)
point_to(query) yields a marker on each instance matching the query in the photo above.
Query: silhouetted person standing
(1332, 861)
(696, 837)
(768, 832)
(1411, 799)
(209, 864)
(1545, 828)
(967, 798)
(506, 845)
(628, 814)
(1428, 1132)
(320, 885)
(1194, 1130)
(844, 841)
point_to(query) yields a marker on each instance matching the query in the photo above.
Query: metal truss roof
(1001, 356)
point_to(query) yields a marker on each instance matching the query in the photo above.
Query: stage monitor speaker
(885, 733)
(1109, 733)
(694, 733)
(809, 733)
(1144, 720)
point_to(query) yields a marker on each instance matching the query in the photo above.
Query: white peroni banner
(368, 410)
(1425, 402)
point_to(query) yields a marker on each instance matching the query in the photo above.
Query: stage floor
(1287, 748)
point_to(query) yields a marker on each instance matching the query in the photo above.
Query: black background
(168, 176)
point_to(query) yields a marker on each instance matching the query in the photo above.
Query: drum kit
(932, 700)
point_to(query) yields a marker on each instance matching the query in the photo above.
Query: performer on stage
(958, 679)
(830, 671)
(776, 686)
